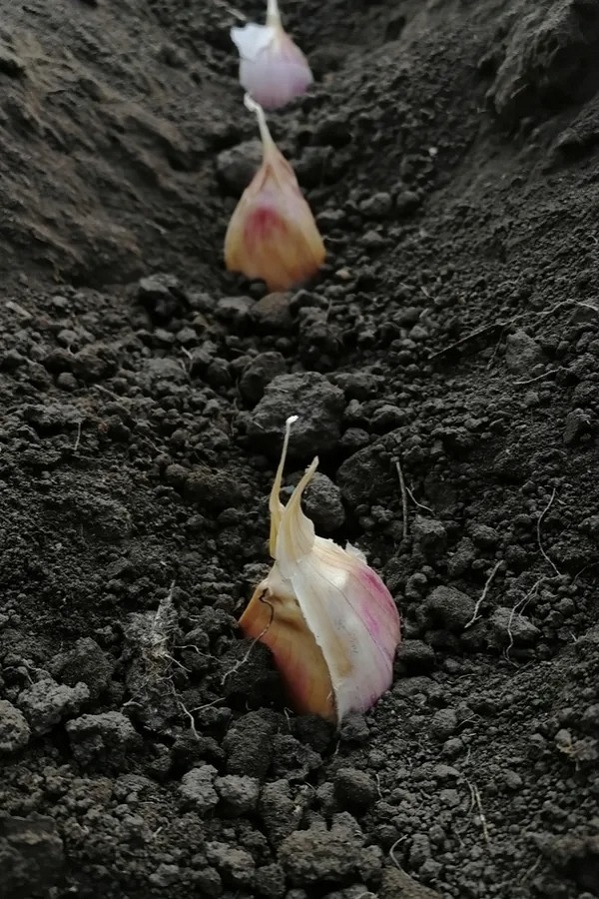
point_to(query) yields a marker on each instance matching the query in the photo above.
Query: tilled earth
(449, 150)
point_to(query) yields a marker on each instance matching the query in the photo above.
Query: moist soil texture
(444, 366)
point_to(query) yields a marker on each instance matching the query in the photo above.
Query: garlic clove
(272, 68)
(272, 234)
(331, 619)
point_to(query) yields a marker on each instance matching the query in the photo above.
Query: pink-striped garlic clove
(329, 620)
(272, 234)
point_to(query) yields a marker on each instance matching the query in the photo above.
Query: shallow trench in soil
(444, 368)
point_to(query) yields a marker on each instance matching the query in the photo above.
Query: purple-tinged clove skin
(272, 68)
(272, 234)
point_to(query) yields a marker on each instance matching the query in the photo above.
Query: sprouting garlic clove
(328, 618)
(272, 68)
(272, 234)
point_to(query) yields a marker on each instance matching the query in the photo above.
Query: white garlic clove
(272, 68)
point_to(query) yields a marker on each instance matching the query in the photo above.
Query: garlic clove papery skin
(339, 601)
(274, 617)
(354, 621)
(272, 68)
(272, 234)
(345, 605)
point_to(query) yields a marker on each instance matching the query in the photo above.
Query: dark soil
(450, 152)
